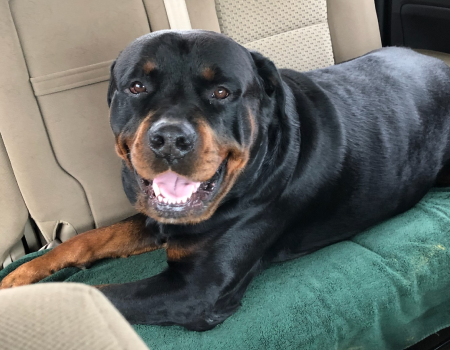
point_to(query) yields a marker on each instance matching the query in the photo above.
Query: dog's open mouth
(172, 194)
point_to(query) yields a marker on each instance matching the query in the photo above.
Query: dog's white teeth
(179, 201)
(156, 189)
(165, 200)
(160, 198)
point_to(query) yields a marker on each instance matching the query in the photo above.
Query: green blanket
(388, 288)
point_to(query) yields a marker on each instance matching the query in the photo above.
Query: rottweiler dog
(233, 164)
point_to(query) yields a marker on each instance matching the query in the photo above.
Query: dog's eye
(137, 87)
(220, 93)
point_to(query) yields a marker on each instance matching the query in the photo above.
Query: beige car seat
(14, 221)
(54, 122)
(61, 316)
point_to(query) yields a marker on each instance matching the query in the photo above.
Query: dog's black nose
(172, 139)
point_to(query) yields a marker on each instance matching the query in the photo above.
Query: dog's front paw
(27, 273)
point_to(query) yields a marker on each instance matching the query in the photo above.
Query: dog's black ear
(112, 84)
(267, 72)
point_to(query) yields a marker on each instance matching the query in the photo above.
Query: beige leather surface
(78, 127)
(157, 15)
(293, 33)
(203, 15)
(61, 316)
(36, 169)
(72, 78)
(60, 143)
(75, 35)
(353, 27)
(13, 213)
(60, 35)
(441, 55)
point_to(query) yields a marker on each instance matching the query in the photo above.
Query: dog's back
(375, 132)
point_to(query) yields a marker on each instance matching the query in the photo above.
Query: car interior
(59, 173)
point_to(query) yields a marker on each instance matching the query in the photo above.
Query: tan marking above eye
(149, 66)
(137, 87)
(208, 73)
(220, 93)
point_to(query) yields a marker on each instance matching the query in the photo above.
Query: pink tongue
(173, 186)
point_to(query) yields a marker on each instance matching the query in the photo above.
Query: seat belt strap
(177, 14)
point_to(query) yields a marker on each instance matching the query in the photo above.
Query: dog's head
(186, 109)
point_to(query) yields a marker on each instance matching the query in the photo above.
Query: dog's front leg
(202, 286)
(128, 237)
(183, 295)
